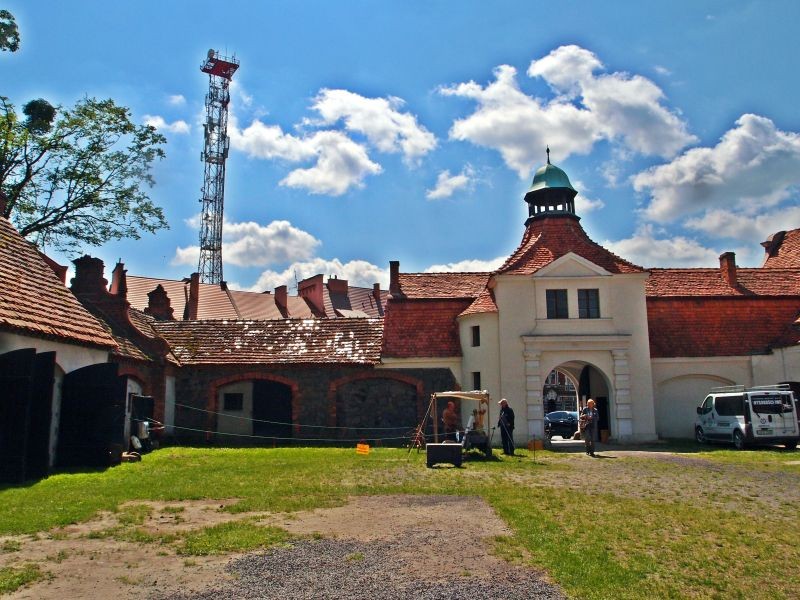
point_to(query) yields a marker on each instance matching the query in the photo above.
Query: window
(729, 406)
(233, 402)
(476, 336)
(588, 304)
(476, 380)
(557, 304)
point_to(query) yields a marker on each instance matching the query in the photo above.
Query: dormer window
(588, 304)
(557, 307)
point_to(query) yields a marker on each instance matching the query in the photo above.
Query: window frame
(228, 401)
(588, 303)
(476, 380)
(557, 303)
(476, 336)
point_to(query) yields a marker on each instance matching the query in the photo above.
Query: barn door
(92, 429)
(16, 390)
(41, 415)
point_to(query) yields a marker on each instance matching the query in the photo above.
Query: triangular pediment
(572, 265)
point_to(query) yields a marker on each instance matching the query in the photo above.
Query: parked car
(561, 422)
(760, 415)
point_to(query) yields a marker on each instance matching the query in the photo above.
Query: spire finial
(548, 154)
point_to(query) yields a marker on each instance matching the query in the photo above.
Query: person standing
(450, 421)
(589, 421)
(506, 425)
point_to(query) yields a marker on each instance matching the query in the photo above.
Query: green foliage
(234, 536)
(13, 578)
(74, 177)
(9, 33)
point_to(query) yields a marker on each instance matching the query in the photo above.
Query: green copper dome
(551, 193)
(548, 177)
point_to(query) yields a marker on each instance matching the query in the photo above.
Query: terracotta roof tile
(547, 239)
(734, 326)
(139, 287)
(710, 282)
(483, 304)
(423, 328)
(442, 285)
(34, 301)
(252, 305)
(287, 341)
(783, 250)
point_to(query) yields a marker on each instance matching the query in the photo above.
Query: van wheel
(699, 435)
(738, 440)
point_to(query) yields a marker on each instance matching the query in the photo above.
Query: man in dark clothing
(506, 425)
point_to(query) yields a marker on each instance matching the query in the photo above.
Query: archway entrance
(569, 386)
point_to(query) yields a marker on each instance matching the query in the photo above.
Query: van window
(707, 404)
(729, 406)
(770, 404)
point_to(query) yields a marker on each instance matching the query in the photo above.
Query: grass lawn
(695, 523)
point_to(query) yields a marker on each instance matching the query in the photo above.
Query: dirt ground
(81, 564)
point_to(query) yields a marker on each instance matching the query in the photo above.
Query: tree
(76, 177)
(9, 34)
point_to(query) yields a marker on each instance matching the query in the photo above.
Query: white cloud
(447, 185)
(662, 70)
(616, 107)
(249, 244)
(646, 249)
(340, 164)
(379, 119)
(468, 265)
(159, 123)
(743, 226)
(358, 273)
(754, 165)
(176, 100)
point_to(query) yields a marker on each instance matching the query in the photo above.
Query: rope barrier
(230, 416)
(290, 439)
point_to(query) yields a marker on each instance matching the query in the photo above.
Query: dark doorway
(602, 409)
(272, 411)
(26, 399)
(92, 428)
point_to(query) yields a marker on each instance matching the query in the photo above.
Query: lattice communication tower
(220, 73)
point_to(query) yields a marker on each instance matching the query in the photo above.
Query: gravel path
(338, 569)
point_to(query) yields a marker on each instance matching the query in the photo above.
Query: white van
(758, 415)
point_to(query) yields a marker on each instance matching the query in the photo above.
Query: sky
(368, 131)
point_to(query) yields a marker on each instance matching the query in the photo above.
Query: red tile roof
(733, 326)
(33, 301)
(483, 304)
(783, 250)
(710, 282)
(252, 305)
(442, 285)
(288, 341)
(547, 239)
(423, 328)
(139, 287)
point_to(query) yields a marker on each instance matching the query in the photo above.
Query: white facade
(520, 346)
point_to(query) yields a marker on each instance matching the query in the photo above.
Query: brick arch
(212, 401)
(334, 386)
(137, 374)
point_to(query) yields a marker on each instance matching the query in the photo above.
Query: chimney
(3, 204)
(119, 283)
(281, 300)
(59, 270)
(311, 290)
(376, 297)
(88, 280)
(194, 297)
(337, 286)
(394, 277)
(727, 264)
(158, 305)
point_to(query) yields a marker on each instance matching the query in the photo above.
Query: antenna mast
(215, 131)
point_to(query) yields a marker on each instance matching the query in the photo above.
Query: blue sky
(364, 132)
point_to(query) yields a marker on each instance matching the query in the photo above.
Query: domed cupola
(551, 193)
